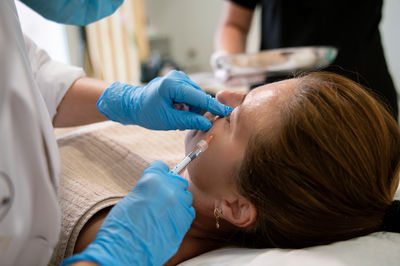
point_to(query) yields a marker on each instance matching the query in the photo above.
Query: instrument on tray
(276, 62)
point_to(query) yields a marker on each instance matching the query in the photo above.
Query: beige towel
(100, 166)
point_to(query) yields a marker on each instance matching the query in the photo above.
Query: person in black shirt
(350, 26)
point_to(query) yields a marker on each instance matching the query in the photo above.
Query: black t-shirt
(349, 25)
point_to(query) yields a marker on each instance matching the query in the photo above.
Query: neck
(203, 235)
(203, 225)
(205, 222)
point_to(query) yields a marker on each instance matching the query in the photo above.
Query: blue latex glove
(152, 107)
(75, 12)
(147, 226)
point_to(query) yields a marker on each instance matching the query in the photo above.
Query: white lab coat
(31, 87)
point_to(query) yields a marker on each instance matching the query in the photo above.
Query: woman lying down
(301, 162)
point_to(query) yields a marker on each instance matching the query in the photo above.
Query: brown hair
(329, 173)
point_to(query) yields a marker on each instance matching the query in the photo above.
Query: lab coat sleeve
(53, 78)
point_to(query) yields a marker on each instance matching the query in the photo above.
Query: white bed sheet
(380, 248)
(376, 249)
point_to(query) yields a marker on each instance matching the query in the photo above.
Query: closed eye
(228, 118)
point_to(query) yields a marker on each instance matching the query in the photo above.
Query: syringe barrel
(202, 145)
(181, 165)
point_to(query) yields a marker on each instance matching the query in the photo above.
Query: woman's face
(211, 173)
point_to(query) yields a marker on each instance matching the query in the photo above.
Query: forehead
(262, 104)
(271, 94)
(276, 89)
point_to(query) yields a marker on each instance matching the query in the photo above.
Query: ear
(238, 211)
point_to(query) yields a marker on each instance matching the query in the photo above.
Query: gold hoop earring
(218, 215)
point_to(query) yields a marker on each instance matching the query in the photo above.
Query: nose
(230, 98)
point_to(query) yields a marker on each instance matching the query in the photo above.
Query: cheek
(210, 170)
(194, 136)
(200, 172)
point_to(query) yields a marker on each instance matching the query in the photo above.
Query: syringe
(201, 146)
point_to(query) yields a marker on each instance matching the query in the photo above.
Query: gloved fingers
(182, 77)
(186, 217)
(182, 197)
(154, 80)
(185, 107)
(200, 99)
(188, 92)
(187, 120)
(163, 170)
(157, 165)
(216, 58)
(192, 212)
(181, 106)
(179, 181)
(217, 108)
(187, 198)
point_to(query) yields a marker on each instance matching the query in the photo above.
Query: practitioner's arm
(78, 107)
(151, 106)
(230, 38)
(233, 29)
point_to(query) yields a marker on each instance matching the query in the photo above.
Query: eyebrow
(238, 108)
(242, 100)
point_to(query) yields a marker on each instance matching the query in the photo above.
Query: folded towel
(101, 165)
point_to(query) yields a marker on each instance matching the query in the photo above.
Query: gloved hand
(152, 106)
(224, 75)
(147, 226)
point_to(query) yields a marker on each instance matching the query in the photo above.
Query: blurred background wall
(390, 29)
(189, 26)
(179, 30)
